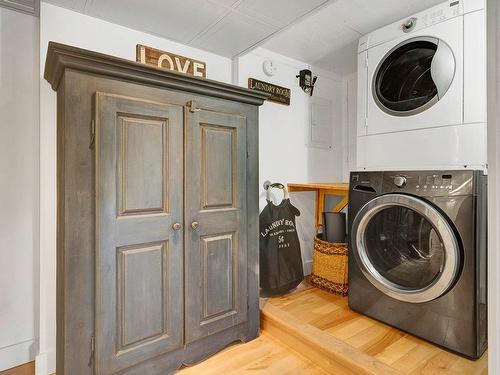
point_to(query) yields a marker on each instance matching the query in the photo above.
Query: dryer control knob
(409, 25)
(400, 181)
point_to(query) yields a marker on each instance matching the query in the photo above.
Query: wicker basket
(329, 268)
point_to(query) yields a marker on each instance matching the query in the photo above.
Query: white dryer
(422, 90)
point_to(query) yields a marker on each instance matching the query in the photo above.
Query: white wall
(283, 135)
(64, 26)
(283, 130)
(18, 187)
(350, 122)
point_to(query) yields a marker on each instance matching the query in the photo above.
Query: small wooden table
(322, 189)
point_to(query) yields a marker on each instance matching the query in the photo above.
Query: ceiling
(329, 37)
(225, 27)
(323, 33)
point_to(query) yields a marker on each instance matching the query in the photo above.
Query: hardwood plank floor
(331, 354)
(26, 369)
(320, 318)
(263, 355)
(401, 351)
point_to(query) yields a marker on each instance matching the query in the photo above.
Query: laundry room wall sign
(171, 61)
(279, 94)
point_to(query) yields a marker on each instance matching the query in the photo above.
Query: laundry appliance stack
(422, 91)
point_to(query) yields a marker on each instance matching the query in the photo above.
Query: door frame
(493, 139)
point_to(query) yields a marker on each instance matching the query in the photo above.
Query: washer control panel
(440, 13)
(429, 183)
(421, 183)
(434, 182)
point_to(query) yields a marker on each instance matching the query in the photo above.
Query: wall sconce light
(307, 81)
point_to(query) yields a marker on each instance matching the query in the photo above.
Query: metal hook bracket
(268, 186)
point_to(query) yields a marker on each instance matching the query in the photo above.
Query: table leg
(321, 207)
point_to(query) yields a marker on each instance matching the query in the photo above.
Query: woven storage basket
(329, 268)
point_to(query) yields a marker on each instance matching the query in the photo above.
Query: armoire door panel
(142, 294)
(218, 166)
(142, 228)
(218, 256)
(215, 202)
(142, 151)
(139, 272)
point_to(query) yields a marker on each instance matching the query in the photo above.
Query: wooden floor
(312, 332)
(328, 316)
(263, 355)
(27, 369)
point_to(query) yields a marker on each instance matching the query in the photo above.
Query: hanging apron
(280, 258)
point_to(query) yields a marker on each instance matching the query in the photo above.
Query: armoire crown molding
(61, 57)
(31, 7)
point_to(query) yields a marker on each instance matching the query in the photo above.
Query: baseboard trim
(45, 363)
(17, 354)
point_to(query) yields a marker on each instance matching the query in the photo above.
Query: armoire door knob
(195, 225)
(177, 226)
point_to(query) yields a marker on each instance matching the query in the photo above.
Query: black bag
(280, 257)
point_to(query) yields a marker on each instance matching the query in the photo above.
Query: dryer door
(413, 76)
(406, 248)
(415, 81)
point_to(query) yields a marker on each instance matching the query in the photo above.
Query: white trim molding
(493, 19)
(45, 363)
(17, 354)
(31, 7)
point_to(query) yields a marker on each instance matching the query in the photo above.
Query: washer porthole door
(413, 76)
(406, 248)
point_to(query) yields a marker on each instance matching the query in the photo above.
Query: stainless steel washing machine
(417, 243)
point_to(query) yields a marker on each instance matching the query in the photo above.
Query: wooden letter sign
(170, 61)
(279, 94)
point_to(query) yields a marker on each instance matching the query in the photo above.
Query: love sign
(167, 60)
